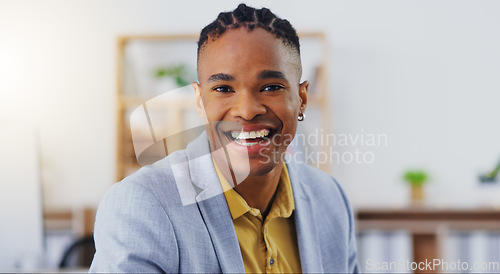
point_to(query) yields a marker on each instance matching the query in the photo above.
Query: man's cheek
(288, 138)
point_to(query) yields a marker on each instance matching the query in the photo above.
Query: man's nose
(247, 105)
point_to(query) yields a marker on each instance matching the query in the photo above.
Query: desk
(427, 226)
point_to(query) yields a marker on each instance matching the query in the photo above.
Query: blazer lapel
(213, 206)
(307, 236)
(215, 212)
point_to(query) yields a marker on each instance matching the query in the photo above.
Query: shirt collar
(283, 204)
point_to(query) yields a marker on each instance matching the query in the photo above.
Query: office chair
(79, 254)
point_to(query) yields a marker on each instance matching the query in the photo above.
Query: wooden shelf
(80, 221)
(130, 102)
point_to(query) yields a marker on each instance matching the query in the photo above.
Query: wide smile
(250, 139)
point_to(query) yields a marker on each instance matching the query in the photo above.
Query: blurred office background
(422, 73)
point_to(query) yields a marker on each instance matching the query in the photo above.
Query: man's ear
(303, 87)
(198, 100)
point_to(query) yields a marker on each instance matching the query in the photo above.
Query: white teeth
(249, 134)
(248, 144)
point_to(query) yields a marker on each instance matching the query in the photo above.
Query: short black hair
(245, 16)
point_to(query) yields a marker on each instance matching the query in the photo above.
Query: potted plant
(492, 176)
(416, 179)
(172, 77)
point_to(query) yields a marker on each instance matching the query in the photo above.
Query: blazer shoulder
(126, 231)
(155, 177)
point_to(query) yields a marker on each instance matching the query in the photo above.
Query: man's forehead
(241, 40)
(240, 47)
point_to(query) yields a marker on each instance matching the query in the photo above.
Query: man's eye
(272, 88)
(223, 89)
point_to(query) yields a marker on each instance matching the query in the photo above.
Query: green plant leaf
(415, 177)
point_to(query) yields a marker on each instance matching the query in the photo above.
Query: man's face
(250, 93)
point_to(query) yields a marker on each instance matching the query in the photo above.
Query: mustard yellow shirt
(269, 246)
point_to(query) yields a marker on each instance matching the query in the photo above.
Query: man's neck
(258, 191)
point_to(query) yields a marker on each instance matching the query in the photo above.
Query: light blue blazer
(173, 217)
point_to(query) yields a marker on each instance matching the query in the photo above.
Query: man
(230, 201)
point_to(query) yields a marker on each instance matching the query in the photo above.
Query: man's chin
(242, 170)
(256, 169)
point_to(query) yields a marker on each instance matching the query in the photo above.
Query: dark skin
(249, 81)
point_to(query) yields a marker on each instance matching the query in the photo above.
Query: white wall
(423, 72)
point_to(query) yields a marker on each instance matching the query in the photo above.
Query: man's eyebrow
(220, 77)
(266, 74)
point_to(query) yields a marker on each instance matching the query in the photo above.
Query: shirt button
(271, 262)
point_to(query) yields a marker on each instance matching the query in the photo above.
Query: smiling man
(230, 201)
(249, 90)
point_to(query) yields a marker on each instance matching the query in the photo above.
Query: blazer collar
(213, 206)
(305, 221)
